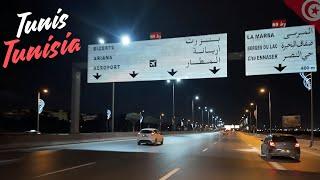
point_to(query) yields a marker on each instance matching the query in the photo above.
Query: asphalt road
(193, 156)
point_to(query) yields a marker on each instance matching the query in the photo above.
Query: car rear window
(146, 131)
(284, 139)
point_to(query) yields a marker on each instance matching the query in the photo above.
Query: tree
(133, 118)
(151, 120)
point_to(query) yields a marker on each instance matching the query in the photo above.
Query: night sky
(109, 19)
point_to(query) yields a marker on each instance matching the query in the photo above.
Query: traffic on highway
(207, 155)
(159, 90)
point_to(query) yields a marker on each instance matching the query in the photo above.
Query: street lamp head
(196, 97)
(262, 90)
(101, 40)
(199, 107)
(45, 91)
(247, 110)
(211, 110)
(206, 110)
(252, 104)
(205, 107)
(168, 81)
(162, 114)
(125, 40)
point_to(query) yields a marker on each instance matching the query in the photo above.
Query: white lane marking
(204, 150)
(255, 150)
(8, 161)
(313, 153)
(172, 172)
(67, 169)
(277, 166)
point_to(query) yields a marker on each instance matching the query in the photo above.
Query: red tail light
(272, 144)
(297, 145)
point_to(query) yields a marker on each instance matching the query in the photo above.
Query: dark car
(280, 145)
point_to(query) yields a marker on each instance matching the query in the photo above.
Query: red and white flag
(308, 10)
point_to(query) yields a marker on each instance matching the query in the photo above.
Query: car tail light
(272, 144)
(297, 145)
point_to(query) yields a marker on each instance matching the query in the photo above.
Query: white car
(150, 136)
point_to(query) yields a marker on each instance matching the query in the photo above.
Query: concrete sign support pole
(75, 100)
(112, 123)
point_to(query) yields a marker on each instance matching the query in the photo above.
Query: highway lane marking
(277, 166)
(204, 150)
(63, 170)
(313, 153)
(169, 174)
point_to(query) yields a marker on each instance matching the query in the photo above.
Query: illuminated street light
(44, 91)
(173, 100)
(125, 40)
(192, 106)
(211, 110)
(101, 40)
(161, 115)
(252, 104)
(262, 91)
(178, 80)
(247, 110)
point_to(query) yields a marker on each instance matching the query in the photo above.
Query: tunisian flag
(308, 10)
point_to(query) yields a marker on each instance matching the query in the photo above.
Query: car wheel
(268, 156)
(155, 142)
(297, 157)
(139, 143)
(161, 142)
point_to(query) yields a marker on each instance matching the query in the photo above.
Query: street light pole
(256, 117)
(173, 109)
(192, 109)
(38, 124)
(262, 90)
(201, 116)
(160, 123)
(270, 117)
(208, 117)
(311, 108)
(112, 120)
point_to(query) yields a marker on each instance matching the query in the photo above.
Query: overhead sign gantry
(191, 57)
(281, 50)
